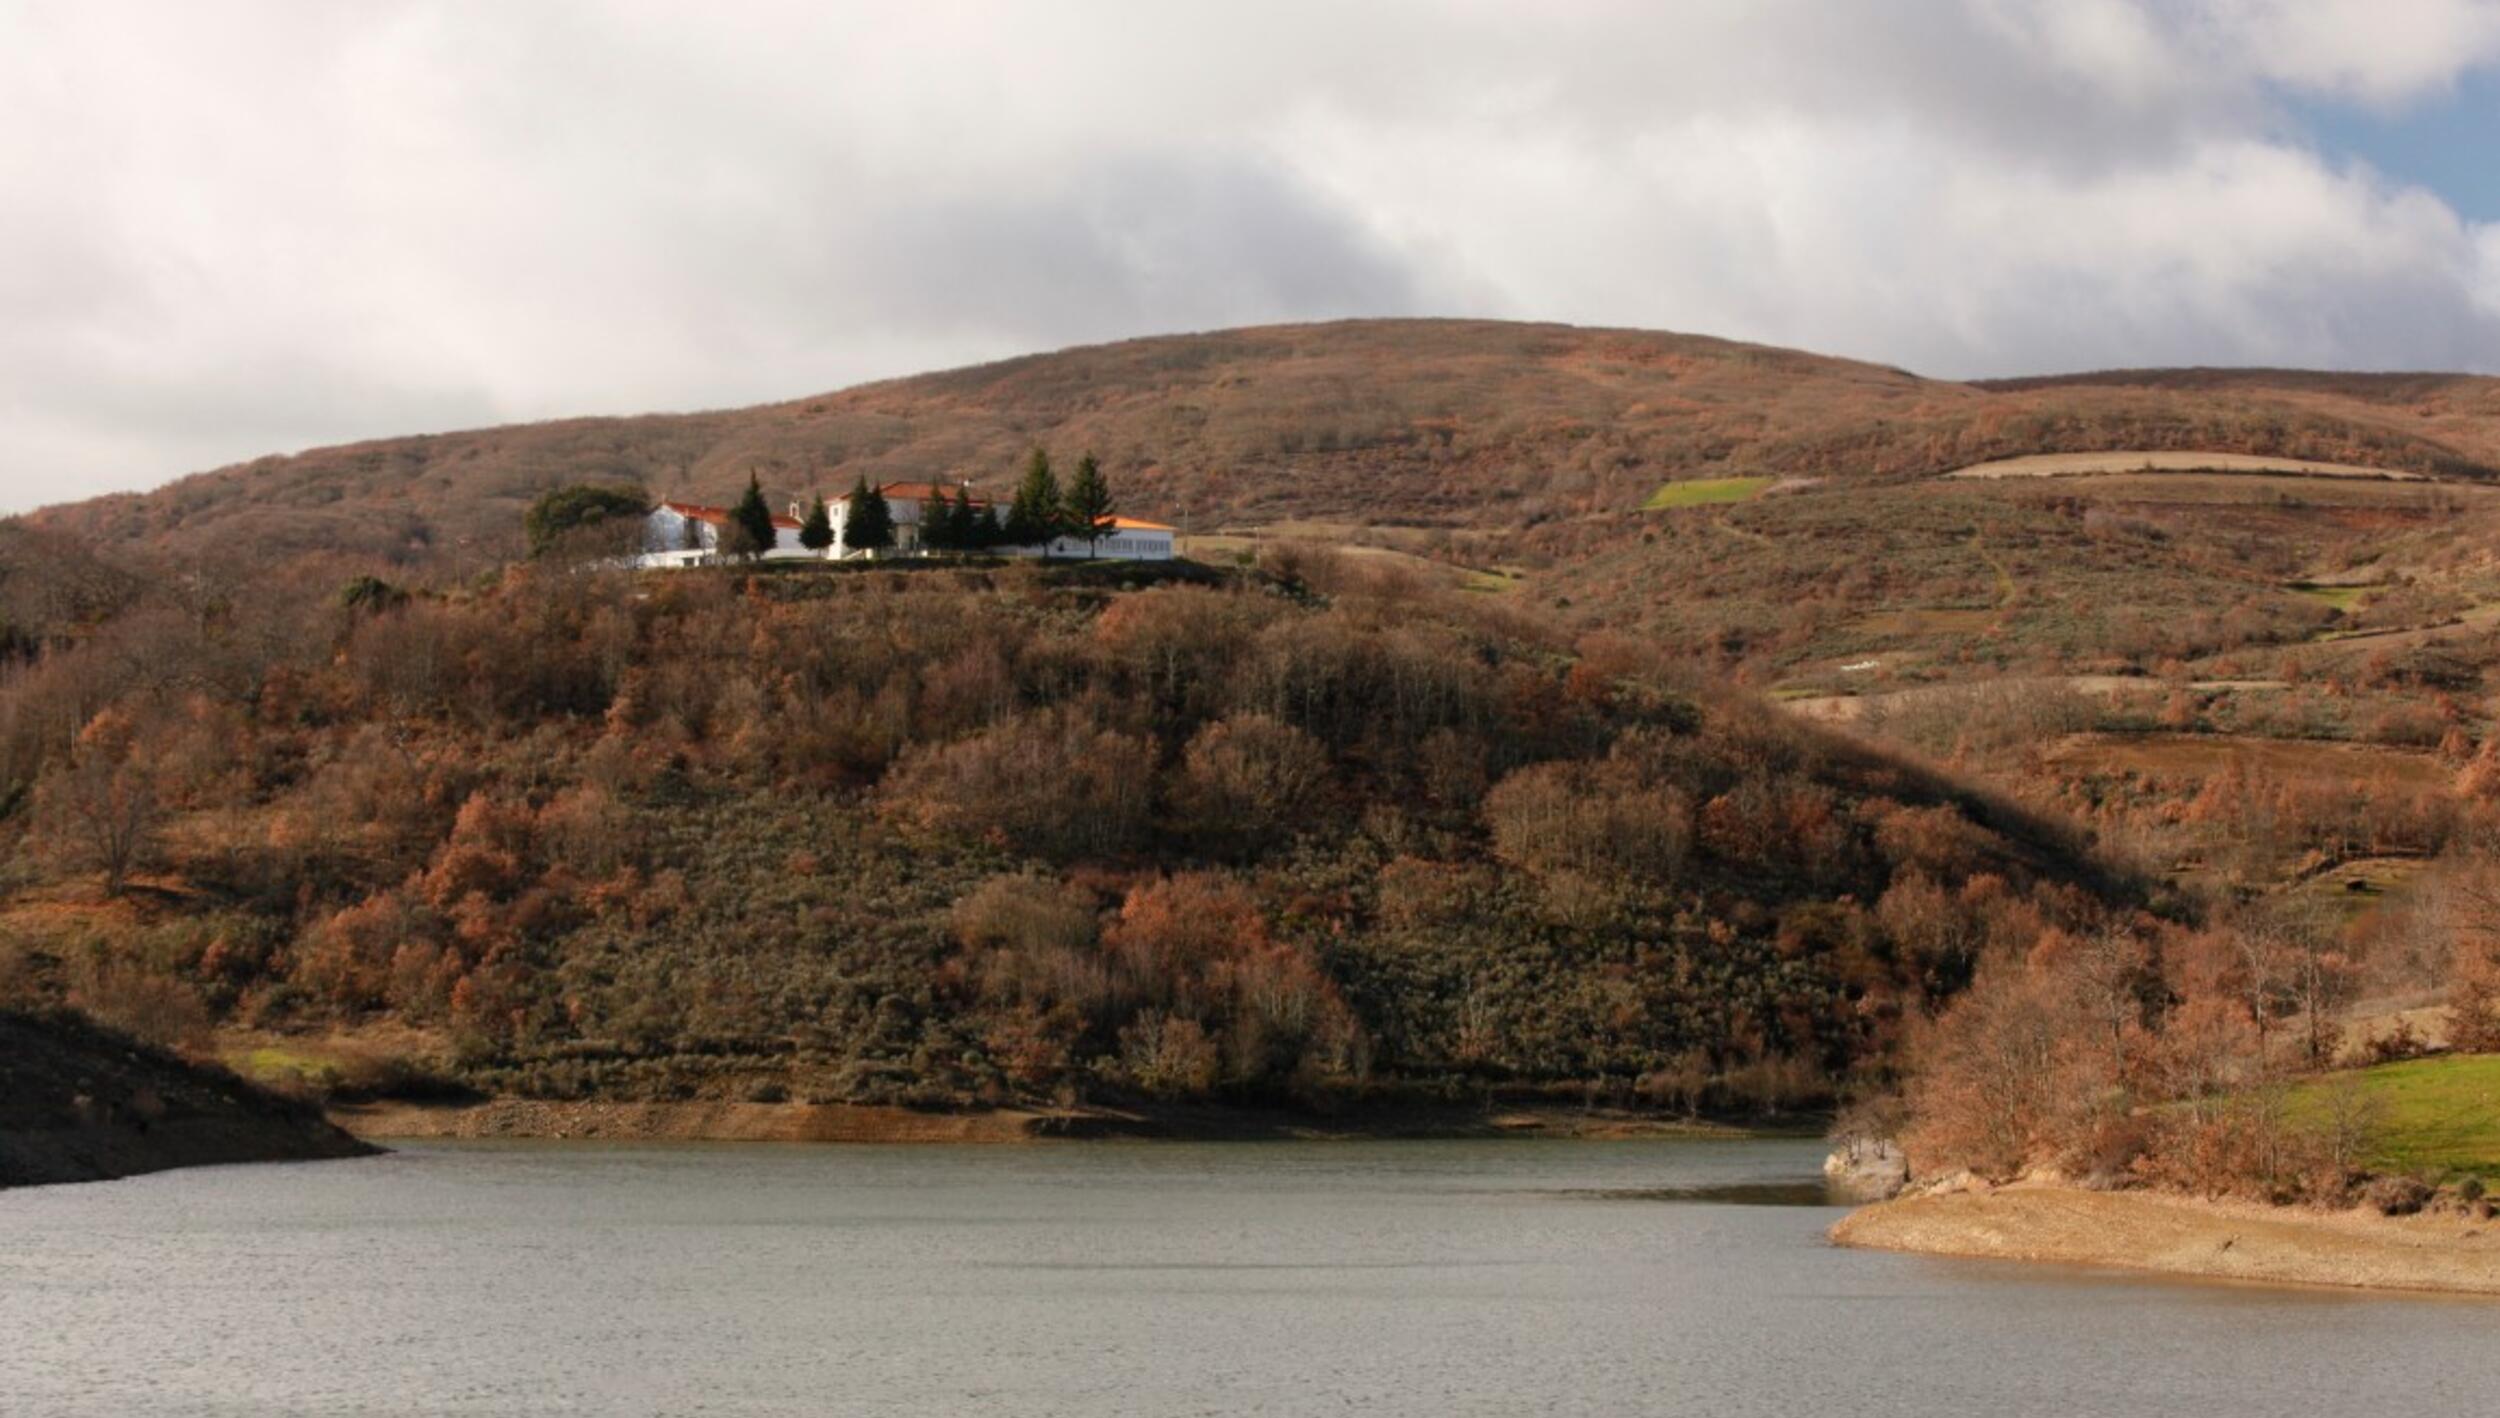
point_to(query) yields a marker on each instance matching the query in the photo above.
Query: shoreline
(80, 1103)
(2176, 1235)
(698, 1121)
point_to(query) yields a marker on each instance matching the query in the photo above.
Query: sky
(231, 227)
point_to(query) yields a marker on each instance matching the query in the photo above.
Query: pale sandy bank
(852, 1122)
(2186, 1236)
(707, 1122)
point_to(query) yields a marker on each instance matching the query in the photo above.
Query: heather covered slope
(1461, 424)
(1024, 835)
(79, 1103)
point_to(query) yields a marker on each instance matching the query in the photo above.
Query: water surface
(1344, 1278)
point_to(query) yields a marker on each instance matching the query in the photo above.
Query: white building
(908, 505)
(688, 534)
(1128, 539)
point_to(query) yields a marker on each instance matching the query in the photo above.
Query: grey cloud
(261, 226)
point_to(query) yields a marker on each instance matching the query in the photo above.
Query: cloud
(250, 227)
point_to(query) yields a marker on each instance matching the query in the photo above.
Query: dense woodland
(1300, 833)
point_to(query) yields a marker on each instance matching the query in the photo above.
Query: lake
(1388, 1278)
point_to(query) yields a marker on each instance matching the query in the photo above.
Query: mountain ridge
(1454, 423)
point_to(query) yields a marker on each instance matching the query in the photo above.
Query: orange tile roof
(1132, 524)
(719, 516)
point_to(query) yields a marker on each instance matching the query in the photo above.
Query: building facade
(689, 533)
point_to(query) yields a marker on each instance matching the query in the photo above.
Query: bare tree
(99, 811)
(2109, 968)
(2298, 959)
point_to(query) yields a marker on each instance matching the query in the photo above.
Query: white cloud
(241, 227)
(2374, 51)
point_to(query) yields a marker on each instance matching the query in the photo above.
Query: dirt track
(2185, 1236)
(2063, 465)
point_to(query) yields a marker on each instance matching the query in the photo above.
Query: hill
(79, 1103)
(992, 836)
(1428, 777)
(1414, 423)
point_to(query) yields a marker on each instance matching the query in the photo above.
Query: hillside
(78, 1103)
(1434, 773)
(990, 836)
(1416, 423)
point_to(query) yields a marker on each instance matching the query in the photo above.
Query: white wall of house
(665, 542)
(906, 512)
(1119, 544)
(665, 539)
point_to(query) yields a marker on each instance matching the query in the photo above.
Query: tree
(937, 521)
(566, 510)
(2317, 974)
(1088, 504)
(753, 520)
(1037, 515)
(870, 527)
(816, 533)
(976, 528)
(370, 594)
(1251, 781)
(99, 810)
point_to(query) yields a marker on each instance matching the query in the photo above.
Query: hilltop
(1414, 423)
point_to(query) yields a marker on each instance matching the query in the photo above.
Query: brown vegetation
(1024, 834)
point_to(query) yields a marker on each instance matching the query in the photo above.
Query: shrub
(2397, 1195)
(1554, 817)
(1249, 781)
(1046, 783)
(1169, 1056)
(585, 517)
(139, 1002)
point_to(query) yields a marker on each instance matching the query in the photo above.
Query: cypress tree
(816, 533)
(937, 521)
(753, 518)
(969, 527)
(1088, 503)
(871, 524)
(1036, 515)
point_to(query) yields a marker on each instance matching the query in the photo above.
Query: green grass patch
(2441, 1115)
(1700, 492)
(281, 1066)
(2342, 598)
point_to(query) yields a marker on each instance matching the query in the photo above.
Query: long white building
(689, 533)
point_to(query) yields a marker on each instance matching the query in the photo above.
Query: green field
(2342, 598)
(1698, 492)
(2442, 1114)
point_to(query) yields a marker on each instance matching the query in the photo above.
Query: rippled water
(1355, 1278)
